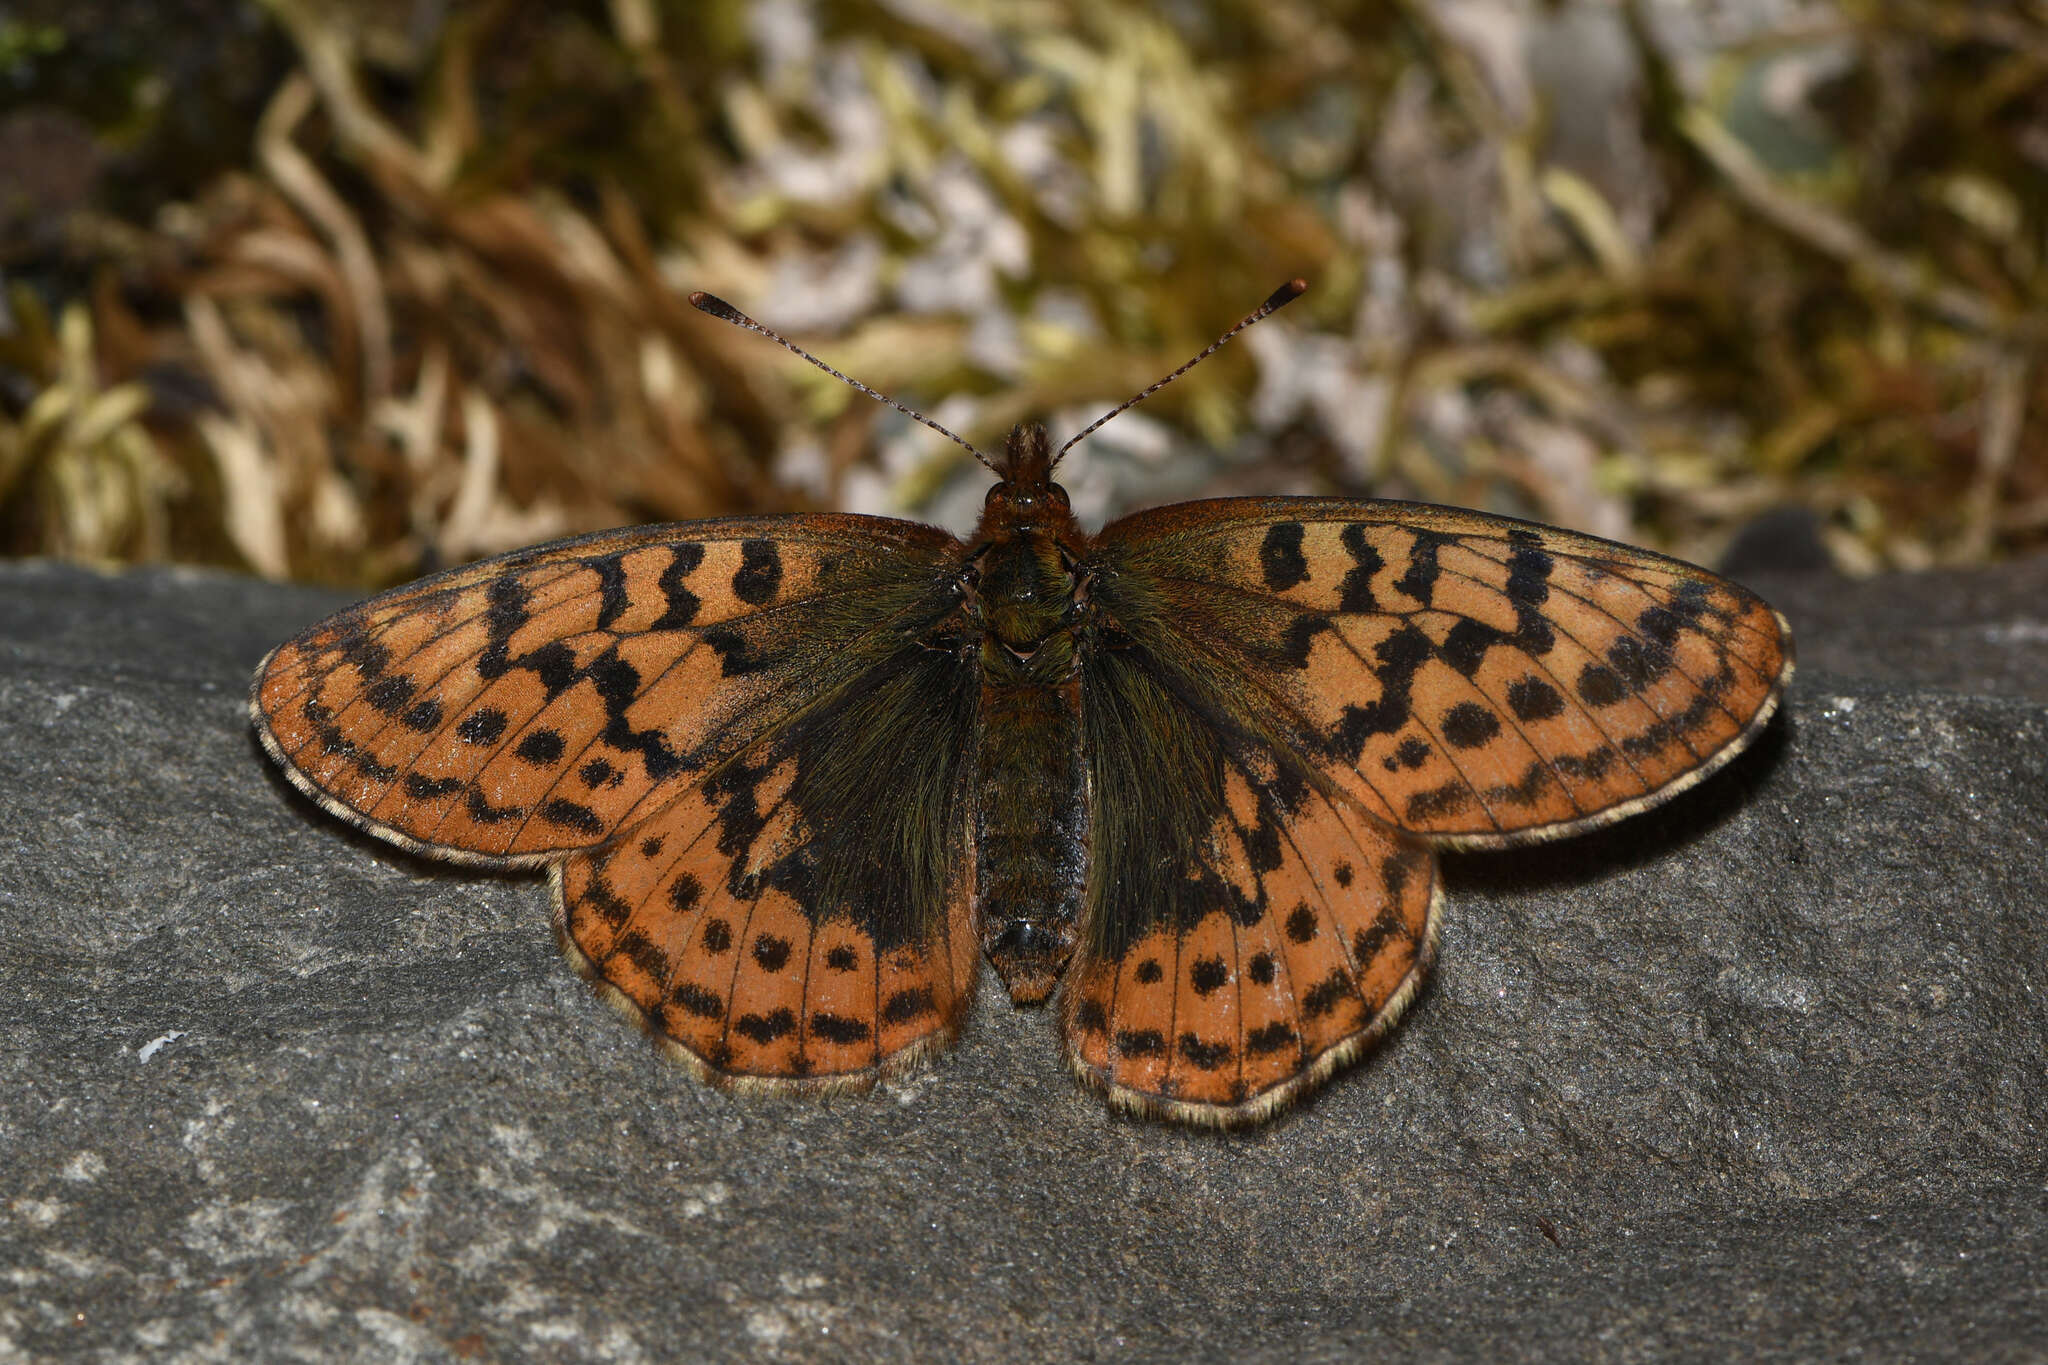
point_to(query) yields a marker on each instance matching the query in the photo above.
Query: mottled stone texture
(1757, 1074)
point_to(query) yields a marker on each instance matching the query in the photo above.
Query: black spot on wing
(423, 718)
(506, 612)
(1529, 573)
(1599, 685)
(680, 604)
(771, 952)
(600, 896)
(736, 656)
(1141, 1042)
(1355, 593)
(1468, 725)
(906, 1005)
(389, 694)
(1660, 624)
(346, 749)
(1299, 638)
(1410, 753)
(1524, 790)
(1638, 662)
(554, 664)
(1206, 1056)
(1592, 765)
(641, 951)
(1464, 648)
(1262, 845)
(698, 1001)
(1273, 1037)
(759, 574)
(1286, 789)
(1528, 588)
(1280, 558)
(835, 1028)
(1448, 799)
(1419, 582)
(484, 813)
(485, 725)
(1327, 994)
(766, 1028)
(570, 816)
(353, 643)
(717, 937)
(539, 747)
(1531, 698)
(422, 788)
(611, 588)
(1369, 942)
(1208, 975)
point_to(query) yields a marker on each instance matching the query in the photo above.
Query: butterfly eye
(1059, 498)
(993, 490)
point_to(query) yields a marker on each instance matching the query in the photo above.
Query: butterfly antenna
(719, 308)
(1278, 299)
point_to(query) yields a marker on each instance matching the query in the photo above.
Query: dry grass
(1598, 264)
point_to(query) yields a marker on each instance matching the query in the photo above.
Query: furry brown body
(1025, 592)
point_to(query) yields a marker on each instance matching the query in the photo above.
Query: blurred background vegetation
(345, 290)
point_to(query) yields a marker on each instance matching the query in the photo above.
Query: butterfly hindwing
(804, 915)
(1247, 930)
(514, 710)
(1470, 679)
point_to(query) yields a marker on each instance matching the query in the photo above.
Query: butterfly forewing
(1467, 678)
(514, 710)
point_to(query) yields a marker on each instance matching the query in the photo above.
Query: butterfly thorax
(1022, 580)
(1024, 588)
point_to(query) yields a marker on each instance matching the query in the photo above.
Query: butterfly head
(1025, 495)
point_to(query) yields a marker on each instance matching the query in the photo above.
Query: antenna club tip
(1286, 294)
(714, 305)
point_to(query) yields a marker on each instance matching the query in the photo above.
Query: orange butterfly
(793, 776)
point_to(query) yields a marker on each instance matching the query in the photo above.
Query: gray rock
(1758, 1074)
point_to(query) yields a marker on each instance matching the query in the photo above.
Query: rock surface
(1758, 1074)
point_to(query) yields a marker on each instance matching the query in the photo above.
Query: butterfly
(793, 777)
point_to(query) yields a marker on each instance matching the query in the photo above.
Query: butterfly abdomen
(1030, 831)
